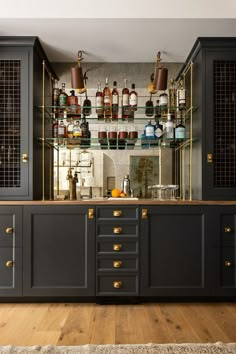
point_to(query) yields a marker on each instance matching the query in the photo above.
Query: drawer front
(228, 234)
(228, 267)
(117, 246)
(7, 230)
(117, 212)
(117, 229)
(117, 285)
(117, 264)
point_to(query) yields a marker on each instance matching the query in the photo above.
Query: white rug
(186, 348)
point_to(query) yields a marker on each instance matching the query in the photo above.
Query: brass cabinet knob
(117, 247)
(9, 230)
(144, 213)
(228, 229)
(117, 213)
(228, 264)
(117, 264)
(117, 230)
(9, 264)
(117, 284)
(209, 158)
(24, 158)
(91, 213)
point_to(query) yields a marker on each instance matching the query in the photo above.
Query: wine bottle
(115, 101)
(107, 100)
(99, 102)
(125, 101)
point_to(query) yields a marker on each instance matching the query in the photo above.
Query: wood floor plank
(81, 323)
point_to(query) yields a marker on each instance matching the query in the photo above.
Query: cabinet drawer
(228, 234)
(117, 212)
(117, 264)
(6, 230)
(117, 246)
(228, 267)
(117, 285)
(117, 229)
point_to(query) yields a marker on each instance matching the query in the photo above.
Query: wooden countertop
(118, 201)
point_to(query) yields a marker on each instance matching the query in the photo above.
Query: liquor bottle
(62, 98)
(125, 101)
(54, 126)
(76, 130)
(115, 101)
(149, 130)
(172, 98)
(70, 127)
(181, 96)
(61, 130)
(99, 102)
(107, 101)
(87, 105)
(149, 108)
(169, 128)
(133, 99)
(163, 103)
(157, 111)
(159, 130)
(85, 133)
(180, 130)
(55, 94)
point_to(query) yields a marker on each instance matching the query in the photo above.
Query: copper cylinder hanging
(162, 78)
(77, 77)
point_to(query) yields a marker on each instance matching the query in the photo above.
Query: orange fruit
(115, 192)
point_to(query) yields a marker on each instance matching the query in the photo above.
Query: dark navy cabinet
(175, 243)
(59, 251)
(10, 251)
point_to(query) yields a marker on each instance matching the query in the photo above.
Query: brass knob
(117, 284)
(117, 247)
(117, 213)
(144, 213)
(117, 264)
(24, 158)
(9, 230)
(209, 158)
(228, 264)
(228, 229)
(9, 264)
(117, 230)
(91, 213)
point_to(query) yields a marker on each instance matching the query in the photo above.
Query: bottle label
(62, 99)
(61, 131)
(181, 96)
(76, 132)
(133, 99)
(107, 100)
(180, 133)
(163, 100)
(114, 99)
(158, 132)
(99, 101)
(149, 131)
(125, 99)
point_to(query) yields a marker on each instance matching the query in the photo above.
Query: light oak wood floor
(77, 324)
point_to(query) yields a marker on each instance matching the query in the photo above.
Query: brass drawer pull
(117, 284)
(24, 158)
(91, 213)
(228, 264)
(9, 230)
(117, 213)
(9, 264)
(210, 158)
(117, 230)
(144, 213)
(117, 247)
(228, 229)
(117, 264)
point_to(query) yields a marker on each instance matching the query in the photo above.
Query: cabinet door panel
(10, 271)
(173, 252)
(59, 256)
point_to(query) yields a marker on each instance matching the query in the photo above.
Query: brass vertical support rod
(191, 132)
(43, 133)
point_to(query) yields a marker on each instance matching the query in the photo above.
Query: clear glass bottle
(107, 100)
(99, 102)
(76, 130)
(115, 101)
(163, 101)
(172, 98)
(61, 130)
(125, 101)
(169, 128)
(133, 99)
(181, 96)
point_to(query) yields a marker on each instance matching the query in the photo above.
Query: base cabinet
(59, 251)
(10, 251)
(175, 252)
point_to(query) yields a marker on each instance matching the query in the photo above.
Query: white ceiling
(117, 39)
